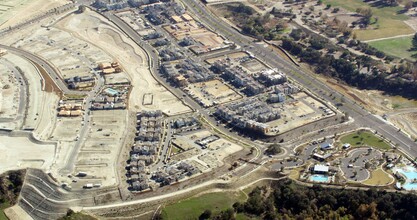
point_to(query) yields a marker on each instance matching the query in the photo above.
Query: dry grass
(379, 178)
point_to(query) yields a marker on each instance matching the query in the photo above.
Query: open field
(389, 21)
(193, 207)
(13, 12)
(365, 138)
(19, 152)
(379, 178)
(398, 47)
(2, 207)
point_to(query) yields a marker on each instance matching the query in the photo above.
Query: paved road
(361, 116)
(164, 147)
(70, 163)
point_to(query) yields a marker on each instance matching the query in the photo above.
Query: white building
(321, 169)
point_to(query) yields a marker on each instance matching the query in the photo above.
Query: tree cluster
(258, 26)
(347, 67)
(290, 201)
(10, 186)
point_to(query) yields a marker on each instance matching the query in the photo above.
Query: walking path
(387, 38)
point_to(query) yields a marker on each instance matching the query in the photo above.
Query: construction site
(100, 149)
(212, 93)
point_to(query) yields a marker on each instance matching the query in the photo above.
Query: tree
(367, 13)
(205, 215)
(408, 5)
(273, 149)
(228, 214)
(414, 42)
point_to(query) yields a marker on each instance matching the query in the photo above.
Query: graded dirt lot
(71, 55)
(212, 92)
(9, 95)
(101, 148)
(66, 128)
(19, 152)
(301, 110)
(93, 28)
(206, 157)
(236, 55)
(253, 65)
(13, 12)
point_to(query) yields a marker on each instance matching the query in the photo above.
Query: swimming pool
(410, 186)
(319, 178)
(410, 174)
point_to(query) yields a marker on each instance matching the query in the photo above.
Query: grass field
(389, 24)
(398, 47)
(241, 216)
(2, 207)
(378, 178)
(193, 207)
(364, 138)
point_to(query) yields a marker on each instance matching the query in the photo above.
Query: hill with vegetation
(287, 200)
(10, 185)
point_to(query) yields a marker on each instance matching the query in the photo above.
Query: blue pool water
(410, 174)
(410, 186)
(319, 178)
